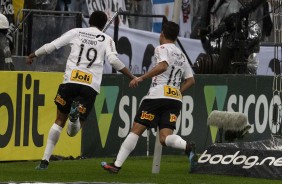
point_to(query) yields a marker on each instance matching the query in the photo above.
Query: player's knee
(60, 122)
(162, 141)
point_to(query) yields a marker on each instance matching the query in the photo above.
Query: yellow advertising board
(27, 111)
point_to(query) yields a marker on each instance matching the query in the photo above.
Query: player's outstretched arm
(158, 69)
(45, 49)
(30, 57)
(119, 66)
(127, 73)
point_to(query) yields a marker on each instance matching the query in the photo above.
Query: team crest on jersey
(79, 76)
(147, 116)
(172, 118)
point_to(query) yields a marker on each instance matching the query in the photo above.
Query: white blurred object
(157, 155)
(253, 63)
(234, 121)
(4, 23)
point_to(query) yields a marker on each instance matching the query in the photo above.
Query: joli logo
(147, 116)
(80, 76)
(172, 92)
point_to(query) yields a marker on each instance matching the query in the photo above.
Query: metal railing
(22, 34)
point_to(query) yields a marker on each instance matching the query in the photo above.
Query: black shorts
(158, 112)
(69, 92)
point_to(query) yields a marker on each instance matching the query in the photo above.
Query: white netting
(277, 20)
(277, 80)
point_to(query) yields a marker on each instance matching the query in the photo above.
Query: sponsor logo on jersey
(147, 116)
(178, 63)
(60, 100)
(81, 109)
(172, 118)
(172, 92)
(79, 76)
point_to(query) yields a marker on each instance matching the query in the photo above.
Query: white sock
(126, 148)
(175, 141)
(53, 137)
(73, 128)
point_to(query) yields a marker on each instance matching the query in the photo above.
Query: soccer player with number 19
(82, 78)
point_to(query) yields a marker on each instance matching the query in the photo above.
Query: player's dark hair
(170, 30)
(98, 19)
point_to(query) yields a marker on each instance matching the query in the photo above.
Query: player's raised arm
(158, 69)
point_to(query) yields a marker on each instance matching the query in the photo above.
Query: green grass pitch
(174, 169)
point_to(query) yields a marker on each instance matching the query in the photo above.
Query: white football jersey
(89, 47)
(167, 84)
